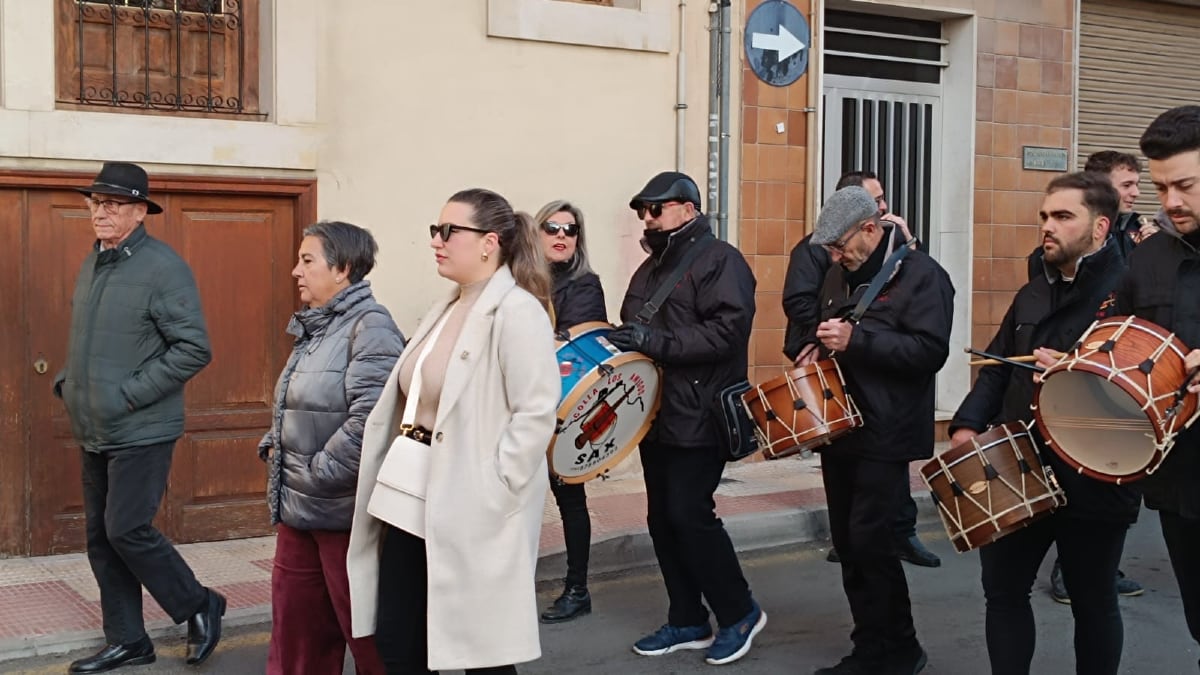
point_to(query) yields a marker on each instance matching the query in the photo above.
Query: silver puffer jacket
(343, 354)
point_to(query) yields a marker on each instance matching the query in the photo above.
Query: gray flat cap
(846, 208)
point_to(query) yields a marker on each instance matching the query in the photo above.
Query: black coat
(701, 334)
(806, 272)
(901, 342)
(576, 299)
(1161, 286)
(1045, 314)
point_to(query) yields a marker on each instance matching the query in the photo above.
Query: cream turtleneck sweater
(433, 369)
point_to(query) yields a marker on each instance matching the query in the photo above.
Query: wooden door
(241, 249)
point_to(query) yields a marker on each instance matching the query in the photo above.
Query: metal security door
(893, 129)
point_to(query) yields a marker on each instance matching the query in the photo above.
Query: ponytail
(527, 260)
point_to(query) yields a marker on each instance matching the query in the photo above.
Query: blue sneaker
(733, 642)
(672, 638)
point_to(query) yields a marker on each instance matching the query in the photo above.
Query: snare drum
(609, 398)
(1106, 406)
(801, 409)
(991, 486)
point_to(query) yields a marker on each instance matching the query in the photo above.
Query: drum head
(604, 416)
(1093, 424)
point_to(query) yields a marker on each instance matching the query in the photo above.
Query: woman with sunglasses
(578, 298)
(447, 582)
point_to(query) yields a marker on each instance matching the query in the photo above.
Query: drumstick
(995, 362)
(1015, 361)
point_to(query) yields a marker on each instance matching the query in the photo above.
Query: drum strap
(881, 278)
(668, 285)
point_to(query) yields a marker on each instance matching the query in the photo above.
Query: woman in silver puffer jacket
(346, 345)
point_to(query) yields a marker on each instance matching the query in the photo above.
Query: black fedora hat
(125, 180)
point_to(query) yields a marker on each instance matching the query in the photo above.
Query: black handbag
(739, 434)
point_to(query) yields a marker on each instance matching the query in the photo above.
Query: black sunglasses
(655, 210)
(447, 229)
(552, 228)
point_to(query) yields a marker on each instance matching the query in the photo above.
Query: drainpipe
(723, 172)
(714, 86)
(680, 91)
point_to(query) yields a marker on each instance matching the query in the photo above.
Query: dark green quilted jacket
(137, 335)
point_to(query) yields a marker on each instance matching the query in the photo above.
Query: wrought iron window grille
(166, 55)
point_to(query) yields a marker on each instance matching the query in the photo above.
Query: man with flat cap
(699, 336)
(886, 312)
(137, 336)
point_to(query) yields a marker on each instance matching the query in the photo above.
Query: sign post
(777, 41)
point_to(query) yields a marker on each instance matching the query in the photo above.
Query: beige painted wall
(445, 107)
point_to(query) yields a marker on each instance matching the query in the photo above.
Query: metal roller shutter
(1136, 59)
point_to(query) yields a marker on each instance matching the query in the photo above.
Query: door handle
(40, 366)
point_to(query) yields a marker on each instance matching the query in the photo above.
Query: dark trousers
(401, 631)
(577, 528)
(1182, 536)
(694, 552)
(1089, 551)
(904, 525)
(310, 607)
(122, 490)
(863, 496)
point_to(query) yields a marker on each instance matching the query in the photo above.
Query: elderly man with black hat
(137, 335)
(698, 335)
(886, 312)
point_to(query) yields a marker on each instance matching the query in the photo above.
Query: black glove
(632, 337)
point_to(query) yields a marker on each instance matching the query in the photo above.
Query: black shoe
(111, 657)
(913, 551)
(1058, 590)
(204, 629)
(909, 662)
(574, 602)
(854, 664)
(833, 556)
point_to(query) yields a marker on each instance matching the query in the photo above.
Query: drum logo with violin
(609, 398)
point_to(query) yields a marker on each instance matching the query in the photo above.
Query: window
(177, 56)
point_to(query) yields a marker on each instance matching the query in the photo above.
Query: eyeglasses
(655, 210)
(840, 244)
(447, 229)
(109, 205)
(552, 228)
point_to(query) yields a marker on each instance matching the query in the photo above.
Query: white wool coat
(487, 482)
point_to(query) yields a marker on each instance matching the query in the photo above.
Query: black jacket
(137, 336)
(806, 272)
(576, 300)
(1054, 315)
(701, 334)
(1161, 286)
(896, 349)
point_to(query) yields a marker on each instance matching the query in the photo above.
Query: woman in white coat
(484, 363)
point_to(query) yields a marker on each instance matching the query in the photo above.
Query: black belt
(417, 433)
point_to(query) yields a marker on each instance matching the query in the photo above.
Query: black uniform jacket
(576, 299)
(701, 332)
(895, 350)
(807, 267)
(1047, 312)
(1163, 286)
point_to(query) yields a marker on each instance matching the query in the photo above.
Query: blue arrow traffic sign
(777, 41)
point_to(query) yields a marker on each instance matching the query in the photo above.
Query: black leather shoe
(833, 556)
(913, 551)
(204, 629)
(574, 602)
(112, 657)
(908, 662)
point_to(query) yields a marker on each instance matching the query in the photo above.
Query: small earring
(484, 257)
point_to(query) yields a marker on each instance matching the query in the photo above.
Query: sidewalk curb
(618, 552)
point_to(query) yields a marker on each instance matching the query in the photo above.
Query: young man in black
(1082, 266)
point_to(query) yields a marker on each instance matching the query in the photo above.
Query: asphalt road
(808, 623)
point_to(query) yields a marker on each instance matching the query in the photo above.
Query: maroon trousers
(310, 607)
